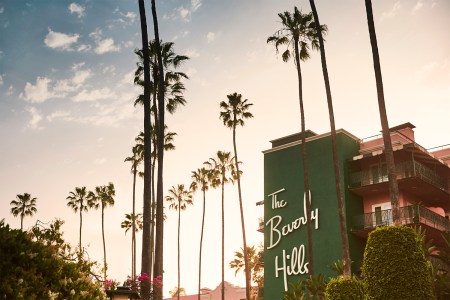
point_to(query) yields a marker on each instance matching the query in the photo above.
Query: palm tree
(200, 180)
(254, 263)
(179, 197)
(342, 219)
(23, 206)
(393, 186)
(133, 222)
(146, 249)
(233, 114)
(223, 171)
(104, 197)
(298, 32)
(159, 249)
(78, 202)
(135, 160)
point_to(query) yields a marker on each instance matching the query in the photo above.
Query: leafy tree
(77, 200)
(223, 171)
(103, 196)
(40, 265)
(200, 180)
(133, 222)
(298, 34)
(23, 206)
(233, 114)
(393, 186)
(179, 197)
(337, 175)
(177, 292)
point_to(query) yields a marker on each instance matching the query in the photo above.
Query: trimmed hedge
(344, 289)
(395, 267)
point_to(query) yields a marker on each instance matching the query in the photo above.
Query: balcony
(412, 176)
(409, 215)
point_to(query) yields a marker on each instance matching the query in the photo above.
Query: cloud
(100, 161)
(211, 36)
(1, 79)
(195, 4)
(103, 45)
(46, 88)
(181, 35)
(391, 13)
(58, 115)
(191, 53)
(39, 92)
(131, 16)
(10, 90)
(417, 7)
(128, 78)
(84, 48)
(75, 8)
(36, 118)
(93, 95)
(58, 40)
(2, 9)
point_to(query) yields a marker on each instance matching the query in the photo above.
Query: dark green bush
(395, 267)
(344, 289)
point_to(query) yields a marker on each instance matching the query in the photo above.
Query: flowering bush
(139, 280)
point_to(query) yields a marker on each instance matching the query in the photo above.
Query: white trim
(310, 139)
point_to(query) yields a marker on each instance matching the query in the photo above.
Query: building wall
(285, 257)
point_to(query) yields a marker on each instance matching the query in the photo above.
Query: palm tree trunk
(246, 269)
(337, 175)
(223, 236)
(305, 162)
(393, 186)
(159, 247)
(179, 219)
(105, 266)
(133, 235)
(21, 222)
(145, 265)
(81, 225)
(201, 243)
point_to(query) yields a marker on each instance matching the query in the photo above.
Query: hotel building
(423, 177)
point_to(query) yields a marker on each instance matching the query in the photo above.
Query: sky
(67, 117)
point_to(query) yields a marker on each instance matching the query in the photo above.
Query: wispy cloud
(1, 79)
(211, 36)
(103, 45)
(93, 95)
(36, 118)
(2, 9)
(59, 40)
(46, 88)
(392, 12)
(76, 8)
(191, 53)
(185, 12)
(58, 115)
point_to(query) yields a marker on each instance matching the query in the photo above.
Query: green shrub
(344, 289)
(395, 267)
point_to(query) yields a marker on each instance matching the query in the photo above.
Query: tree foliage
(394, 265)
(344, 289)
(40, 265)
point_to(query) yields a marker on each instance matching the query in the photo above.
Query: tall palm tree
(159, 249)
(342, 219)
(24, 205)
(78, 202)
(179, 197)
(136, 160)
(168, 146)
(146, 249)
(103, 196)
(200, 180)
(134, 222)
(233, 114)
(223, 171)
(298, 34)
(393, 186)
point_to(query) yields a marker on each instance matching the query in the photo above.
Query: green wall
(283, 169)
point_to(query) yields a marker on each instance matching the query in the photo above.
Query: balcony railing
(412, 214)
(405, 169)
